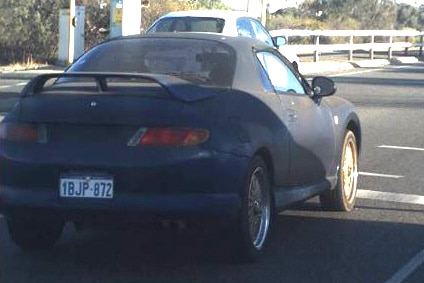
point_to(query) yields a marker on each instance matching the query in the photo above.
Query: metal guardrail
(316, 48)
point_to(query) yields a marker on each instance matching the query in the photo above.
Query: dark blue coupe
(175, 126)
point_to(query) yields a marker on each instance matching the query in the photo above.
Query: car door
(312, 143)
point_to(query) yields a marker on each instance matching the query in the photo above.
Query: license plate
(86, 186)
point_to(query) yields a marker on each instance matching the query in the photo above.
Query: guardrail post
(316, 53)
(389, 52)
(406, 49)
(422, 42)
(351, 48)
(372, 47)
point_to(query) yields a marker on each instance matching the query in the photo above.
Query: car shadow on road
(305, 247)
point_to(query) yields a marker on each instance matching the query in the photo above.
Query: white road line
(368, 71)
(380, 175)
(401, 147)
(356, 72)
(391, 197)
(407, 269)
(18, 84)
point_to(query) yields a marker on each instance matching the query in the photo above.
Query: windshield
(202, 62)
(188, 24)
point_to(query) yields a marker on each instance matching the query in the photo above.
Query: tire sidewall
(246, 247)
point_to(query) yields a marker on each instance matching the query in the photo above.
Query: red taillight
(20, 132)
(169, 137)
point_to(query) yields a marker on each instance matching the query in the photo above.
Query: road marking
(401, 147)
(407, 269)
(392, 197)
(356, 72)
(377, 69)
(380, 175)
(18, 84)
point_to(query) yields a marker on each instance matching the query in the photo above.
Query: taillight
(168, 137)
(19, 132)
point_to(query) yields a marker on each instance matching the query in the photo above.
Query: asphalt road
(381, 241)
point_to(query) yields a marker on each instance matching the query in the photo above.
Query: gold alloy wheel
(350, 169)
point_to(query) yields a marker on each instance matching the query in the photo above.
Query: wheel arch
(265, 154)
(356, 129)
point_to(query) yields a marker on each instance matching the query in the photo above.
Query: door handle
(291, 114)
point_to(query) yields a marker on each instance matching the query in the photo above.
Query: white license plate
(83, 186)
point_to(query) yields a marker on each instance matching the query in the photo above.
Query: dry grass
(28, 65)
(21, 67)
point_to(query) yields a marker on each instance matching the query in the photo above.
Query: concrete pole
(71, 33)
(125, 17)
(263, 12)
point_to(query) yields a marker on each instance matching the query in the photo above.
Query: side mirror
(280, 40)
(323, 86)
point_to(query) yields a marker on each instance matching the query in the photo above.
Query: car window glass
(202, 62)
(244, 28)
(206, 25)
(280, 75)
(266, 83)
(163, 25)
(194, 24)
(261, 33)
(179, 25)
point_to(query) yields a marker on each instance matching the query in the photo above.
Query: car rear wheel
(31, 233)
(342, 198)
(255, 216)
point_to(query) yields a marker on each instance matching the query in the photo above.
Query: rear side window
(281, 77)
(202, 62)
(188, 24)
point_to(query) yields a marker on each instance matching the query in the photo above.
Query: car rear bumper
(188, 187)
(17, 200)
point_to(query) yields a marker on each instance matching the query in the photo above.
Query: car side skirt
(287, 196)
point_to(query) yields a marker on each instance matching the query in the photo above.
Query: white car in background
(230, 23)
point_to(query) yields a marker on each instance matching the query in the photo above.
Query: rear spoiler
(178, 88)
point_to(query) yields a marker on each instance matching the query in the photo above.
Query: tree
(97, 14)
(406, 16)
(366, 14)
(211, 5)
(29, 30)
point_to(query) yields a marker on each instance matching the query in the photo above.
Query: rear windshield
(201, 62)
(188, 24)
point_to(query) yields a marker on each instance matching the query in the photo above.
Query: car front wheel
(342, 198)
(31, 233)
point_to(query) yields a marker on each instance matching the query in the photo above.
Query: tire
(342, 198)
(255, 216)
(31, 233)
